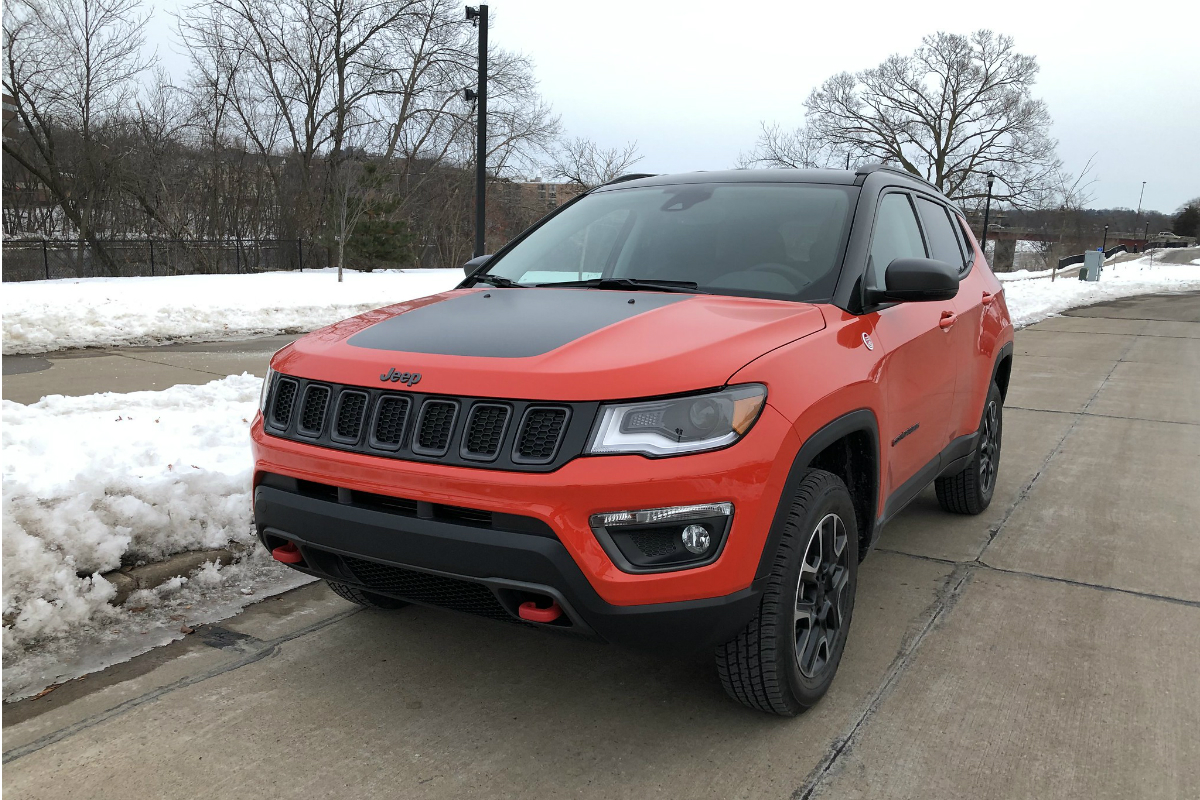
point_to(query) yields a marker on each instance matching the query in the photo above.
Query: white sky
(691, 81)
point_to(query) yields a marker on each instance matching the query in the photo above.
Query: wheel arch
(849, 448)
(1002, 371)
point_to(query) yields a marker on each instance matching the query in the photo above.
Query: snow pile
(1031, 298)
(40, 316)
(97, 482)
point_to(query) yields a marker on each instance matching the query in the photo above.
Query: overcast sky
(691, 81)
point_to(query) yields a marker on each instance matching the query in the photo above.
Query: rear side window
(942, 239)
(896, 235)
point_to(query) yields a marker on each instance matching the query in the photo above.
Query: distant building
(10, 114)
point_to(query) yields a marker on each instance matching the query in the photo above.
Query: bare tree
(587, 164)
(952, 111)
(72, 68)
(798, 149)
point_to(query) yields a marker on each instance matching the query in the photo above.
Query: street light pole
(479, 16)
(987, 210)
(1104, 246)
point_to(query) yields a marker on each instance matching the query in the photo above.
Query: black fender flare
(861, 420)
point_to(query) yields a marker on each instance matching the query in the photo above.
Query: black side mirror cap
(916, 280)
(476, 264)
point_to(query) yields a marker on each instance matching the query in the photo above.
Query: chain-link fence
(45, 260)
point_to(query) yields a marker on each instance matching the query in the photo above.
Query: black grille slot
(654, 543)
(351, 408)
(312, 411)
(434, 427)
(423, 587)
(285, 398)
(389, 422)
(540, 434)
(485, 431)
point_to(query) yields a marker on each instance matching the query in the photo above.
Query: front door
(920, 363)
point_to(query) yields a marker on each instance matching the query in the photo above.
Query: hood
(552, 344)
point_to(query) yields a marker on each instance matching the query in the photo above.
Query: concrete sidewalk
(1047, 648)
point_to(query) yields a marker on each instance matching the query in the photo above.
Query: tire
(760, 667)
(364, 598)
(970, 491)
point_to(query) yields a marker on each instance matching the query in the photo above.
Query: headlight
(265, 392)
(680, 424)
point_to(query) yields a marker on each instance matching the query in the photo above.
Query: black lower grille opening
(285, 398)
(423, 587)
(655, 543)
(435, 426)
(540, 433)
(485, 430)
(351, 407)
(312, 411)
(389, 421)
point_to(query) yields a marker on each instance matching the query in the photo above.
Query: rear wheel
(364, 598)
(970, 491)
(784, 660)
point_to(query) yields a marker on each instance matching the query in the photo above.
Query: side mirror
(476, 264)
(916, 280)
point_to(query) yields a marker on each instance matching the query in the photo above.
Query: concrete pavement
(1047, 648)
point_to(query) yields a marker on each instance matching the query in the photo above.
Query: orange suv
(673, 414)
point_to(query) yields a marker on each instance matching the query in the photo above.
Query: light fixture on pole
(1104, 246)
(478, 16)
(987, 210)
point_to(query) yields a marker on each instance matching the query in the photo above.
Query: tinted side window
(964, 241)
(896, 235)
(942, 241)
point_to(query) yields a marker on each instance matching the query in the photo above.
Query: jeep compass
(674, 414)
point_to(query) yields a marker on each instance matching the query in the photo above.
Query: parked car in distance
(674, 414)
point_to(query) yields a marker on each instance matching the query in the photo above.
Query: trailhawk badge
(410, 378)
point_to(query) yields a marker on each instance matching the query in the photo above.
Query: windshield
(781, 240)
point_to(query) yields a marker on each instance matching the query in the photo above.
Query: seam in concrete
(1166, 598)
(163, 364)
(1104, 416)
(269, 648)
(953, 588)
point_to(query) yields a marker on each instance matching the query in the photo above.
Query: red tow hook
(530, 611)
(288, 554)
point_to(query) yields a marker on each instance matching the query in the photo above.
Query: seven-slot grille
(515, 435)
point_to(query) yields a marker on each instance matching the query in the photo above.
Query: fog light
(696, 539)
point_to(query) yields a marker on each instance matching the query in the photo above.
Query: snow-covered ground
(97, 482)
(1032, 296)
(41, 316)
(93, 483)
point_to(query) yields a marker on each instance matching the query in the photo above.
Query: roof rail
(867, 169)
(633, 176)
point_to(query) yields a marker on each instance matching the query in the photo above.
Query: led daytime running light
(650, 516)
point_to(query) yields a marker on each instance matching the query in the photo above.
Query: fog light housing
(664, 539)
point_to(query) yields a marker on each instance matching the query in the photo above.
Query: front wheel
(970, 491)
(784, 660)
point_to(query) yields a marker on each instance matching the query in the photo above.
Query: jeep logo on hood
(409, 378)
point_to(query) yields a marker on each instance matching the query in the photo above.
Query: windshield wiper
(633, 284)
(499, 281)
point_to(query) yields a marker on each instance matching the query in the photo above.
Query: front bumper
(470, 566)
(750, 474)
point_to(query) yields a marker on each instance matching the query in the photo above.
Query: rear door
(918, 369)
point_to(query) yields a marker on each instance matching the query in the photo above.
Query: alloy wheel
(989, 447)
(820, 596)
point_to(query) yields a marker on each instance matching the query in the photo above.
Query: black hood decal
(507, 323)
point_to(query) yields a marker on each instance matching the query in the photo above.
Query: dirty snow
(1033, 296)
(97, 482)
(42, 316)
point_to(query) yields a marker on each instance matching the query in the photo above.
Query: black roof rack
(867, 169)
(633, 176)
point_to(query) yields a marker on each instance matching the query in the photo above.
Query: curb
(130, 579)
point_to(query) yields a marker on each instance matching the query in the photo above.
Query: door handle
(948, 319)
(988, 297)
